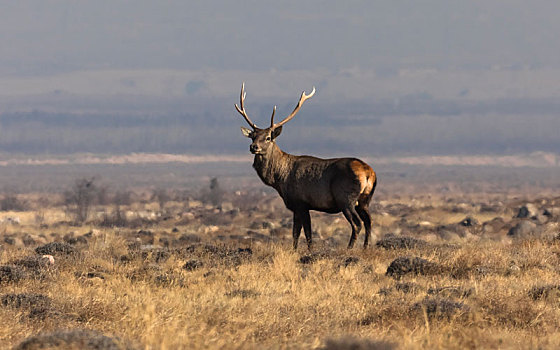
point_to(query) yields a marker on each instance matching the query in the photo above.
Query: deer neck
(273, 167)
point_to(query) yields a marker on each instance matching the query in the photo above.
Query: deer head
(264, 138)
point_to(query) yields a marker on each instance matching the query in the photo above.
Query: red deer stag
(308, 183)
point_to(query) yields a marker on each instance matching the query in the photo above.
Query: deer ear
(246, 132)
(276, 132)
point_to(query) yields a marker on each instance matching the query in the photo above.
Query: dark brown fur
(308, 183)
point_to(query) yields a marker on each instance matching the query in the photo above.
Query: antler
(294, 112)
(242, 109)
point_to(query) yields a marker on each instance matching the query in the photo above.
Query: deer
(309, 183)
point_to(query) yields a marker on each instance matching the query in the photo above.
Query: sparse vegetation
(443, 274)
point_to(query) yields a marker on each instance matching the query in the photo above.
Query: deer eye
(268, 138)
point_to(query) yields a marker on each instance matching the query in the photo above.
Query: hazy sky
(171, 48)
(48, 36)
(144, 57)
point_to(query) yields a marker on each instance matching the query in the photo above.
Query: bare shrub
(10, 202)
(161, 196)
(80, 198)
(214, 193)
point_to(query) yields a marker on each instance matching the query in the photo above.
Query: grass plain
(196, 271)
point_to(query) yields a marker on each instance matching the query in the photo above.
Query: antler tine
(242, 109)
(272, 118)
(302, 99)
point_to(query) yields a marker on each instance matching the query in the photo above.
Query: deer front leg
(306, 221)
(296, 229)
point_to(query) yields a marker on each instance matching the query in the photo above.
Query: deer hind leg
(366, 218)
(296, 229)
(353, 218)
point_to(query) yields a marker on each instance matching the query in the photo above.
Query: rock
(169, 280)
(540, 219)
(257, 225)
(35, 262)
(544, 292)
(15, 241)
(452, 231)
(56, 248)
(495, 225)
(70, 239)
(243, 293)
(313, 257)
(226, 207)
(399, 242)
(440, 308)
(407, 287)
(24, 300)
(524, 229)
(527, 211)
(192, 265)
(351, 260)
(469, 222)
(258, 237)
(451, 292)
(407, 265)
(73, 339)
(349, 343)
(10, 273)
(188, 238)
(552, 212)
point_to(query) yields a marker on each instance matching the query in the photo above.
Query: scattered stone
(452, 231)
(74, 339)
(351, 260)
(545, 292)
(451, 292)
(495, 225)
(399, 242)
(259, 237)
(407, 287)
(188, 238)
(469, 222)
(91, 274)
(307, 259)
(10, 273)
(243, 293)
(169, 280)
(313, 257)
(28, 240)
(146, 233)
(257, 225)
(192, 265)
(35, 262)
(527, 211)
(15, 241)
(350, 343)
(226, 207)
(416, 266)
(56, 248)
(439, 308)
(24, 300)
(524, 229)
(552, 212)
(71, 239)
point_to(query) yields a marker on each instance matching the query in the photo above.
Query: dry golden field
(171, 271)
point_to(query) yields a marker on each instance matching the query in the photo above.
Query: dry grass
(120, 284)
